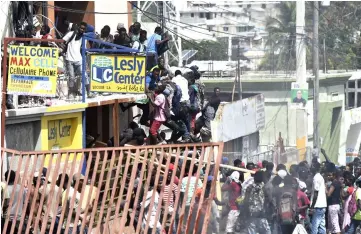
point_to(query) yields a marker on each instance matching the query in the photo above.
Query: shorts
(231, 220)
(333, 219)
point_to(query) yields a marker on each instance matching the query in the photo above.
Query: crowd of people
(311, 198)
(177, 103)
(306, 198)
(175, 100)
(136, 38)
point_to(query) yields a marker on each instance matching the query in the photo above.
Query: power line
(112, 13)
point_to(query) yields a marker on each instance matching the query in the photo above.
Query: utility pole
(324, 56)
(179, 39)
(300, 42)
(239, 86)
(316, 136)
(162, 12)
(301, 81)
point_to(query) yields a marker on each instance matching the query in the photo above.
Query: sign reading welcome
(32, 70)
(118, 73)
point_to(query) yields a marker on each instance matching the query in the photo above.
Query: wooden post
(116, 123)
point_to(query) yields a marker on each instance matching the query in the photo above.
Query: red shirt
(234, 191)
(302, 200)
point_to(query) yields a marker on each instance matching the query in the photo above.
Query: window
(201, 15)
(208, 16)
(192, 15)
(264, 6)
(248, 5)
(240, 6)
(336, 112)
(242, 29)
(210, 28)
(225, 29)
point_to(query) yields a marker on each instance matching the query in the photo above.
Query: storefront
(61, 132)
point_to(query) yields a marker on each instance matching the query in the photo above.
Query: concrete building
(339, 125)
(240, 22)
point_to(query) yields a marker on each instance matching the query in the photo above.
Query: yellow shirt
(357, 216)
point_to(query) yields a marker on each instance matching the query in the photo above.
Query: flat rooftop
(59, 105)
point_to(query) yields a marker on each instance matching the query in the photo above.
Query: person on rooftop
(152, 48)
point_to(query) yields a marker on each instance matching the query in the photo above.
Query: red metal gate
(122, 190)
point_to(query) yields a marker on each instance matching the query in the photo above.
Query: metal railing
(122, 189)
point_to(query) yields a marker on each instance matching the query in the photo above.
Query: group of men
(177, 103)
(71, 48)
(308, 198)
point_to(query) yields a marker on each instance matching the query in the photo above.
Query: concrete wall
(23, 136)
(226, 125)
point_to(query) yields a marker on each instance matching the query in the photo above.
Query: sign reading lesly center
(118, 73)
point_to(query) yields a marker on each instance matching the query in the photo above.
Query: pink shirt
(159, 110)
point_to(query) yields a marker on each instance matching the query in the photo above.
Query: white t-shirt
(73, 54)
(319, 186)
(183, 84)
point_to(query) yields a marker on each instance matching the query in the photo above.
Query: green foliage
(207, 49)
(339, 27)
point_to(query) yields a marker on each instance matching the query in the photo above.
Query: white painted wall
(235, 120)
(110, 19)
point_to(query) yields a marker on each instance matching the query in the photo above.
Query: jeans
(152, 60)
(353, 226)
(74, 70)
(318, 221)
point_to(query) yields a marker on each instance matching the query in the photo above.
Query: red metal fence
(124, 190)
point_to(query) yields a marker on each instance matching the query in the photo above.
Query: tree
(207, 49)
(282, 33)
(339, 27)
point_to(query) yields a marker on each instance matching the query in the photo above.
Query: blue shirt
(150, 82)
(152, 45)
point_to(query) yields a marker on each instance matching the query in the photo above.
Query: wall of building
(23, 136)
(5, 20)
(249, 111)
(111, 20)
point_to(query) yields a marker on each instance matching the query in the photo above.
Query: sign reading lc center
(32, 70)
(118, 73)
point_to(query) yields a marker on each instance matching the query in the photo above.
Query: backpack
(352, 205)
(256, 200)
(287, 208)
(167, 113)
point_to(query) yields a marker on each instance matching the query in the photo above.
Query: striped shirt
(170, 191)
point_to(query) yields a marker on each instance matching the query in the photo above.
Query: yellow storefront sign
(32, 70)
(59, 132)
(118, 73)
